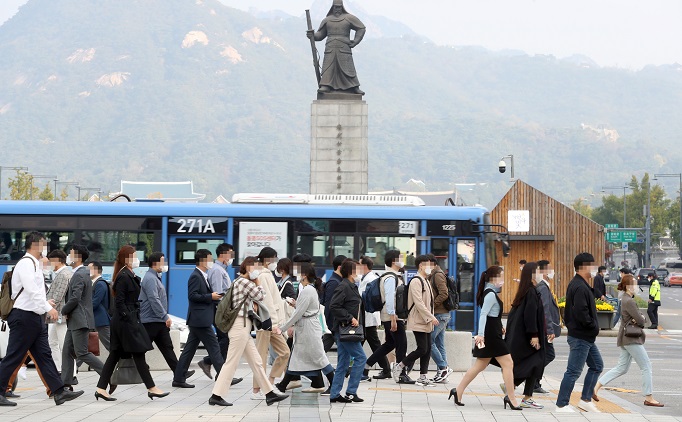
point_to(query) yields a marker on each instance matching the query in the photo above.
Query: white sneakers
(565, 409)
(588, 406)
(442, 375)
(294, 384)
(22, 372)
(258, 396)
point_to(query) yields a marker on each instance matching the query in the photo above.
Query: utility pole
(656, 176)
(647, 227)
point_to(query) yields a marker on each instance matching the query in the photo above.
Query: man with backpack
(439, 285)
(102, 303)
(394, 327)
(372, 322)
(27, 314)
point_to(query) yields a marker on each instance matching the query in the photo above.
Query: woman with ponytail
(307, 356)
(489, 344)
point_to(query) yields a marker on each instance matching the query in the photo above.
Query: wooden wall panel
(573, 233)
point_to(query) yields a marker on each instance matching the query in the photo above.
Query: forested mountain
(168, 90)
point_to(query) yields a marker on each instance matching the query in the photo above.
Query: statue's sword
(316, 60)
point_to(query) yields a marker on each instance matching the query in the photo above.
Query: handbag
(349, 333)
(93, 342)
(125, 373)
(632, 330)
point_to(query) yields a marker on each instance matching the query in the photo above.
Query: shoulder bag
(632, 330)
(349, 333)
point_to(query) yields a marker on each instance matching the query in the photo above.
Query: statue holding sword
(338, 69)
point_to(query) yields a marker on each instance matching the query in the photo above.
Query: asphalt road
(665, 352)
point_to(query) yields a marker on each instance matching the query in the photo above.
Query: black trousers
(372, 338)
(528, 387)
(422, 352)
(328, 341)
(652, 310)
(394, 340)
(110, 365)
(207, 336)
(28, 333)
(160, 335)
(223, 344)
(550, 355)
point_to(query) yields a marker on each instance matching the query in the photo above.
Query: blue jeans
(581, 352)
(438, 341)
(617, 316)
(627, 353)
(346, 351)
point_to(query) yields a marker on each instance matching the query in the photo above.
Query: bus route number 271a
(195, 225)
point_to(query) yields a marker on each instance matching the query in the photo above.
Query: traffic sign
(629, 236)
(611, 226)
(625, 246)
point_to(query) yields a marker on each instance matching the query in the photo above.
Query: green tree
(21, 187)
(582, 207)
(673, 218)
(611, 211)
(63, 196)
(46, 194)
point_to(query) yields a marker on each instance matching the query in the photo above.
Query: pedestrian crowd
(297, 318)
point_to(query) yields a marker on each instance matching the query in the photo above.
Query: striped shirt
(246, 291)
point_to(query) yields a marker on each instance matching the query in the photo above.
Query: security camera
(502, 166)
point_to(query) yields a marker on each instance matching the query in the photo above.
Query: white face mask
(69, 261)
(254, 274)
(272, 266)
(278, 274)
(550, 274)
(44, 253)
(209, 265)
(299, 278)
(593, 273)
(399, 264)
(136, 263)
(230, 261)
(164, 269)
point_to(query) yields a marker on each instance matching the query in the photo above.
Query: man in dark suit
(79, 317)
(599, 284)
(101, 301)
(200, 319)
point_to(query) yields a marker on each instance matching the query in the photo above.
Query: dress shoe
(11, 395)
(65, 396)
(177, 384)
(189, 373)
(339, 399)
(540, 390)
(236, 381)
(273, 397)
(218, 401)
(206, 368)
(153, 396)
(99, 395)
(652, 327)
(383, 375)
(353, 398)
(5, 402)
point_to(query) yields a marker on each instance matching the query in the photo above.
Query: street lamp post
(656, 176)
(65, 184)
(8, 168)
(87, 189)
(625, 208)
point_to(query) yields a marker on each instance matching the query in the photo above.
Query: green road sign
(611, 226)
(628, 236)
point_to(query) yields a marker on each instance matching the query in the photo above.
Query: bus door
(185, 237)
(456, 258)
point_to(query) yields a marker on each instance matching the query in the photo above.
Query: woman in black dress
(128, 336)
(526, 334)
(489, 344)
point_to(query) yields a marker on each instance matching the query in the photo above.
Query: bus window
(342, 245)
(466, 254)
(440, 248)
(376, 246)
(186, 248)
(12, 243)
(104, 245)
(315, 245)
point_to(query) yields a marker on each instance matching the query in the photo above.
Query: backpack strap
(421, 280)
(22, 287)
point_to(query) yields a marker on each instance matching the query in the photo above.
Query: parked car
(675, 279)
(662, 275)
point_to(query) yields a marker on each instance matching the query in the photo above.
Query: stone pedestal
(338, 148)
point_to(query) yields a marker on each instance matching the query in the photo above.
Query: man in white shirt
(27, 322)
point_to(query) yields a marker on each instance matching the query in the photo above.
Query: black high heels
(153, 396)
(99, 395)
(453, 392)
(508, 402)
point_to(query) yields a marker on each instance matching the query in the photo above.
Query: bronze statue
(338, 70)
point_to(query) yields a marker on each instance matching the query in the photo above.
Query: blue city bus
(460, 237)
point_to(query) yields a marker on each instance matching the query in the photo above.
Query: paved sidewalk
(384, 401)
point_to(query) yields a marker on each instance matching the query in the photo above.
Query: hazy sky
(624, 33)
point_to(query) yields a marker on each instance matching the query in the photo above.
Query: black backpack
(452, 302)
(110, 295)
(401, 294)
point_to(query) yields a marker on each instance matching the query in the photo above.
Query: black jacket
(127, 333)
(200, 310)
(580, 314)
(599, 286)
(328, 290)
(346, 304)
(525, 321)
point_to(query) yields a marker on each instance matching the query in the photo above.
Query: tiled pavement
(385, 401)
